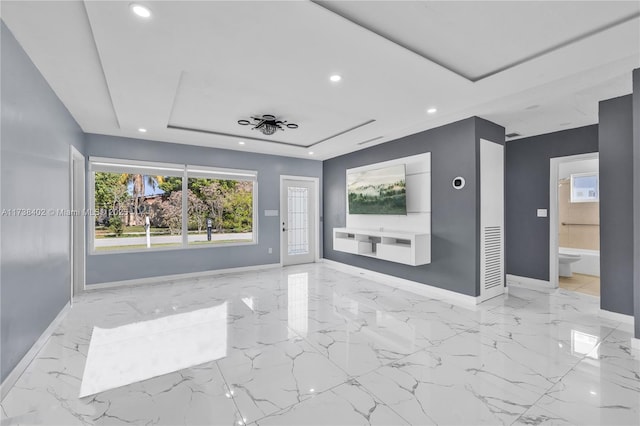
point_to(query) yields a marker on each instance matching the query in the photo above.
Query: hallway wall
(36, 133)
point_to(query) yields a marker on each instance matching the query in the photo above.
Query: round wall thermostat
(458, 182)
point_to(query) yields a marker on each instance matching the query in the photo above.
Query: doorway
(299, 220)
(77, 234)
(574, 224)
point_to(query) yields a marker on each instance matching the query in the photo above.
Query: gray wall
(616, 205)
(454, 222)
(636, 197)
(103, 268)
(36, 132)
(527, 189)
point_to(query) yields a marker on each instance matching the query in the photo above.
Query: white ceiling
(533, 67)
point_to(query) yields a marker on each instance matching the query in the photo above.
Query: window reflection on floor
(298, 303)
(142, 350)
(583, 344)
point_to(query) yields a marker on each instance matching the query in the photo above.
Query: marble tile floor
(314, 345)
(582, 283)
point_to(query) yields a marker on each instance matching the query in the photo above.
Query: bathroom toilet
(564, 263)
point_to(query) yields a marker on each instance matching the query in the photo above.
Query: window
(142, 206)
(585, 188)
(220, 206)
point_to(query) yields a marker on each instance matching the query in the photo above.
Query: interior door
(298, 221)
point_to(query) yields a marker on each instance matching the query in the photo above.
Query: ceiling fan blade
(292, 126)
(268, 117)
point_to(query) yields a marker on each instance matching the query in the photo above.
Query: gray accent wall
(636, 198)
(616, 204)
(454, 213)
(527, 189)
(104, 268)
(36, 133)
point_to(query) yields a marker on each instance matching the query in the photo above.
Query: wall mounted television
(377, 191)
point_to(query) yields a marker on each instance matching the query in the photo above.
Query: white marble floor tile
(430, 386)
(616, 359)
(536, 416)
(268, 378)
(582, 398)
(347, 404)
(310, 344)
(191, 396)
(360, 349)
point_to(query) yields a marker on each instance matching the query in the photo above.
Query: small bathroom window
(585, 188)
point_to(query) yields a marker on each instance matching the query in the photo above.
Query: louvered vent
(492, 256)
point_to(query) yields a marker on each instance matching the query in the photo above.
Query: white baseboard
(188, 275)
(627, 319)
(527, 282)
(15, 374)
(407, 285)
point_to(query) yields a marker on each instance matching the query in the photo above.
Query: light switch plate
(542, 212)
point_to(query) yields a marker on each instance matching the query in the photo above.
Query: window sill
(173, 248)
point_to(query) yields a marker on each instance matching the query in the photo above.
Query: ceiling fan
(268, 124)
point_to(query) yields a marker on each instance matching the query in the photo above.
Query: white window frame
(208, 172)
(588, 200)
(103, 164)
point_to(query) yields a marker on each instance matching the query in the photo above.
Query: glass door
(298, 221)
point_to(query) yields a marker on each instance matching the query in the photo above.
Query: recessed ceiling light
(241, 143)
(140, 10)
(310, 152)
(142, 130)
(432, 111)
(335, 78)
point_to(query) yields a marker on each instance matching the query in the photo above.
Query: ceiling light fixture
(310, 152)
(140, 10)
(142, 130)
(268, 124)
(335, 78)
(241, 143)
(432, 110)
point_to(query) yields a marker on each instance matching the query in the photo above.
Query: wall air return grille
(492, 256)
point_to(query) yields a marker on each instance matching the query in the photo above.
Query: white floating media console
(395, 246)
(401, 238)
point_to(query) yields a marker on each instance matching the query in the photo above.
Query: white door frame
(74, 239)
(316, 187)
(554, 226)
